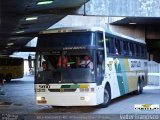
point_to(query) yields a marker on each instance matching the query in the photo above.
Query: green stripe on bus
(65, 86)
(74, 86)
(119, 76)
(70, 86)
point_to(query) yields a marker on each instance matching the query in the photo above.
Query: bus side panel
(139, 67)
(123, 74)
(111, 77)
(131, 76)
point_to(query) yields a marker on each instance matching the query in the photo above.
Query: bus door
(99, 67)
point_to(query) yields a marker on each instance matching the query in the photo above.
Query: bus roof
(84, 29)
(71, 29)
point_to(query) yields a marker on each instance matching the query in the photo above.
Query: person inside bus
(87, 63)
(45, 66)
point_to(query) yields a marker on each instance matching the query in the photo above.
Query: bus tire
(8, 77)
(139, 87)
(107, 97)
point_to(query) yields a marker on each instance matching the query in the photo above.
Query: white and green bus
(119, 67)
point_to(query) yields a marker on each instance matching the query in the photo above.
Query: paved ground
(19, 99)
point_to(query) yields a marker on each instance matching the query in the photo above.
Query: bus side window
(117, 47)
(137, 50)
(131, 49)
(107, 46)
(145, 51)
(125, 48)
(134, 50)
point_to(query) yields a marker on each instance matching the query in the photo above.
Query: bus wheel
(139, 87)
(107, 97)
(8, 77)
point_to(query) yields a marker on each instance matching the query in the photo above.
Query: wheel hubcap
(106, 96)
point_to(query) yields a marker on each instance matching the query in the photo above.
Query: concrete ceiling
(14, 27)
(152, 30)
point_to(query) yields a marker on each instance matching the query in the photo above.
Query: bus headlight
(41, 100)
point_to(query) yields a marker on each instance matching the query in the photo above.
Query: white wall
(153, 73)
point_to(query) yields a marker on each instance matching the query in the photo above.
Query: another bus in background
(11, 68)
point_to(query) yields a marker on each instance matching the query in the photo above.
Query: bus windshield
(66, 67)
(49, 41)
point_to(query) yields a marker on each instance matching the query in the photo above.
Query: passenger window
(145, 52)
(109, 44)
(142, 51)
(117, 47)
(125, 48)
(138, 50)
(131, 49)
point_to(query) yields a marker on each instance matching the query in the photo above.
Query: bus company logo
(135, 64)
(146, 107)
